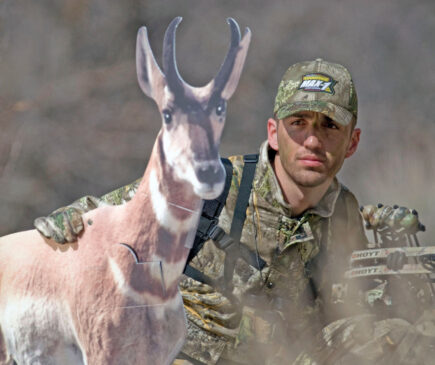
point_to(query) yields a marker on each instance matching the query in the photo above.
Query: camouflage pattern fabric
(364, 340)
(318, 86)
(65, 224)
(287, 244)
(383, 216)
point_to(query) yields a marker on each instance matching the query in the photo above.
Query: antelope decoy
(112, 297)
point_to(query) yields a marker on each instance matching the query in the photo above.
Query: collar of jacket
(266, 185)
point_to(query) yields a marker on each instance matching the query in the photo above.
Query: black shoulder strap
(208, 227)
(243, 196)
(233, 251)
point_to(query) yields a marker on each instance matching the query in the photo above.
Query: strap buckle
(251, 158)
(206, 226)
(221, 239)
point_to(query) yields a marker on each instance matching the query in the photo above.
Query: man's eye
(297, 122)
(331, 125)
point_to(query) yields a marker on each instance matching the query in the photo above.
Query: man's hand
(63, 225)
(395, 217)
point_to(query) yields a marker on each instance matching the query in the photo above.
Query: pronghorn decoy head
(192, 117)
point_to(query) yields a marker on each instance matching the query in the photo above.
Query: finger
(55, 225)
(42, 227)
(76, 222)
(58, 237)
(367, 211)
(397, 215)
(67, 231)
(381, 213)
(48, 228)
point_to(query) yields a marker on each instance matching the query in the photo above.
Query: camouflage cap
(318, 86)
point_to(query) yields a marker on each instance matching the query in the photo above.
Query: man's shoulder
(347, 217)
(347, 197)
(346, 210)
(238, 163)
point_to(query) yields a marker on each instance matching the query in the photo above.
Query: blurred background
(74, 121)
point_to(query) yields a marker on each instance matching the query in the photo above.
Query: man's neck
(300, 198)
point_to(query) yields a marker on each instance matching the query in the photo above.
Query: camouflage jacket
(300, 252)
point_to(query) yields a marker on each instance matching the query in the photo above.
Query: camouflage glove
(65, 224)
(396, 218)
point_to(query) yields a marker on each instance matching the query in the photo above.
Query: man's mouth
(311, 161)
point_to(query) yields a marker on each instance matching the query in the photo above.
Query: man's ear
(272, 133)
(353, 144)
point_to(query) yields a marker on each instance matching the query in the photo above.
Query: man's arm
(65, 224)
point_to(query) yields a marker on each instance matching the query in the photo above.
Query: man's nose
(312, 140)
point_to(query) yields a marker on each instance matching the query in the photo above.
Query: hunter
(268, 295)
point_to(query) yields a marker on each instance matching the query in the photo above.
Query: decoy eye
(167, 116)
(220, 108)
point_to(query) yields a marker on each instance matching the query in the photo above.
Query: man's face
(311, 147)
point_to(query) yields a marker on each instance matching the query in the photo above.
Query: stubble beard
(302, 177)
(307, 178)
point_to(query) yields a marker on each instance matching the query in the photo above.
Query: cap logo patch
(317, 82)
